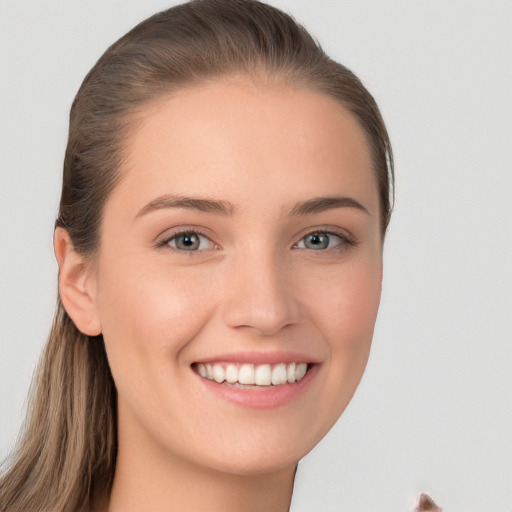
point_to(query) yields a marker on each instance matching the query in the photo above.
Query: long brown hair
(67, 452)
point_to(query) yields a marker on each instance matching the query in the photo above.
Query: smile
(247, 374)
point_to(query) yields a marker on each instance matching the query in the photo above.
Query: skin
(253, 287)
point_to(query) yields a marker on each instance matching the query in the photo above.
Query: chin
(257, 465)
(260, 451)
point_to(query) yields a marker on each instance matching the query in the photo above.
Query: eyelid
(346, 238)
(162, 241)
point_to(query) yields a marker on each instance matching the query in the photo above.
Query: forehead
(244, 137)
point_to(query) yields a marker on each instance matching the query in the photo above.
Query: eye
(320, 240)
(189, 241)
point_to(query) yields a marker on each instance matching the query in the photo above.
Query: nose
(260, 294)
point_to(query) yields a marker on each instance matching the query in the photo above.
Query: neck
(151, 481)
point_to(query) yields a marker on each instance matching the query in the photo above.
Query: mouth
(247, 375)
(255, 382)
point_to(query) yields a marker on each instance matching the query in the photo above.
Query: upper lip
(254, 357)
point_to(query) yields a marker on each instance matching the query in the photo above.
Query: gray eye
(319, 241)
(189, 242)
(316, 241)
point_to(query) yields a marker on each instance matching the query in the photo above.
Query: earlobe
(76, 284)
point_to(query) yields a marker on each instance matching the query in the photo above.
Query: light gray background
(434, 410)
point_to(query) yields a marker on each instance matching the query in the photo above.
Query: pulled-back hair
(67, 452)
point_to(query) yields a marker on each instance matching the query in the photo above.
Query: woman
(225, 199)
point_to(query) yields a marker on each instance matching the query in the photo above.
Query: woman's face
(243, 242)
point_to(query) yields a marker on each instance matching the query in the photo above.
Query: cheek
(354, 312)
(345, 313)
(345, 299)
(148, 314)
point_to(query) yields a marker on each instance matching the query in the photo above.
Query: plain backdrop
(434, 410)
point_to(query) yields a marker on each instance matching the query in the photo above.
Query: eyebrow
(311, 206)
(322, 204)
(188, 203)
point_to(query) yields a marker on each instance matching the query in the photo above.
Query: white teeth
(263, 375)
(279, 375)
(290, 374)
(231, 373)
(250, 374)
(246, 374)
(300, 370)
(218, 373)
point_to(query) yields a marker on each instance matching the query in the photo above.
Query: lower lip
(262, 397)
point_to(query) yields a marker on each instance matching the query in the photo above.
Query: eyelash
(165, 243)
(344, 244)
(344, 240)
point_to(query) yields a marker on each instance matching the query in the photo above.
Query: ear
(77, 284)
